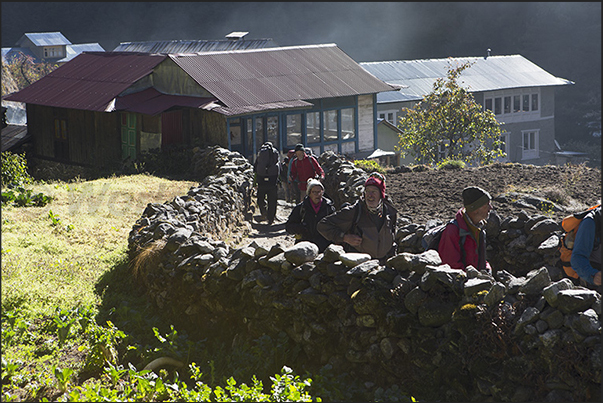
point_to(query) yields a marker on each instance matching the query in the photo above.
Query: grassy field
(77, 327)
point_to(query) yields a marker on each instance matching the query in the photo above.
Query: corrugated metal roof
(486, 74)
(74, 50)
(153, 102)
(13, 136)
(193, 46)
(90, 81)
(10, 53)
(46, 39)
(264, 76)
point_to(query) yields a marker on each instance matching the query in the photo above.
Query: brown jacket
(379, 244)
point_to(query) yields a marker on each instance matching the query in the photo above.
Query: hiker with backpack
(304, 167)
(305, 216)
(267, 170)
(367, 226)
(463, 240)
(586, 253)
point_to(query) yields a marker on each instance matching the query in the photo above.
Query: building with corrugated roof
(103, 108)
(520, 93)
(48, 47)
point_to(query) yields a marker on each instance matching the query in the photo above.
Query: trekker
(304, 167)
(367, 226)
(285, 176)
(267, 170)
(464, 244)
(305, 216)
(586, 254)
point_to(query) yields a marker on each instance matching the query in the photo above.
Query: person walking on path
(586, 254)
(305, 216)
(304, 167)
(267, 170)
(463, 242)
(368, 226)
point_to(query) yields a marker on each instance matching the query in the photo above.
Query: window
(272, 131)
(61, 144)
(53, 52)
(330, 124)
(294, 129)
(235, 132)
(313, 127)
(512, 103)
(347, 124)
(504, 147)
(390, 116)
(529, 144)
(497, 106)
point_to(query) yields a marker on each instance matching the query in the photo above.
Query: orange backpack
(566, 245)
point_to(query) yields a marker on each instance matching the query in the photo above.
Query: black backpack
(431, 238)
(267, 162)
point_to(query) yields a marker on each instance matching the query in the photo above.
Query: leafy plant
(63, 377)
(450, 164)
(14, 170)
(450, 117)
(369, 166)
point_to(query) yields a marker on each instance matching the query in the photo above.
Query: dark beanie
(474, 198)
(299, 147)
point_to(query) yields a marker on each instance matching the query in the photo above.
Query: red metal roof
(263, 76)
(90, 81)
(152, 102)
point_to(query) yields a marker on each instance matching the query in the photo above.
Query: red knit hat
(378, 180)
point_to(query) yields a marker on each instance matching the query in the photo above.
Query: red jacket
(302, 170)
(450, 247)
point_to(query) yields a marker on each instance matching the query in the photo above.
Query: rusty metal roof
(264, 76)
(90, 81)
(486, 74)
(193, 46)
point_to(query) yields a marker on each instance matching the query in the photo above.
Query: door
(128, 136)
(171, 128)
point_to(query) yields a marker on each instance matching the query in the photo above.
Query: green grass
(77, 327)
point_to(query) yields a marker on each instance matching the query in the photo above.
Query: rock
(301, 252)
(537, 281)
(353, 259)
(363, 268)
(475, 285)
(551, 292)
(570, 301)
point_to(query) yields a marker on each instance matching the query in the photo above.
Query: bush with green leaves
(369, 166)
(14, 170)
(451, 164)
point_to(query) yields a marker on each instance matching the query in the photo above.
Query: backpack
(266, 163)
(431, 238)
(570, 226)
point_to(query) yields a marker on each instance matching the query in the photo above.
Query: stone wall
(524, 334)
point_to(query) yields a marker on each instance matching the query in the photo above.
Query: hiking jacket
(450, 246)
(303, 219)
(586, 255)
(304, 169)
(380, 244)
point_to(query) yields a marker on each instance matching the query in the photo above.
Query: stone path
(268, 235)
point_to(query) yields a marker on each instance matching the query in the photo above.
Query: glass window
(249, 128)
(272, 131)
(259, 133)
(235, 132)
(348, 148)
(534, 102)
(507, 105)
(330, 126)
(526, 103)
(530, 144)
(313, 127)
(488, 104)
(347, 124)
(294, 129)
(516, 103)
(497, 106)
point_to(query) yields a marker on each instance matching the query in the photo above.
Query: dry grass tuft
(147, 258)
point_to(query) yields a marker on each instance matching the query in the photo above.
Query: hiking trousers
(267, 199)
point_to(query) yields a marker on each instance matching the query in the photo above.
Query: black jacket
(302, 222)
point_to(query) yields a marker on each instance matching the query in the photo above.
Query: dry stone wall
(525, 333)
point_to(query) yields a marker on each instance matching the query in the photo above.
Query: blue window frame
(331, 125)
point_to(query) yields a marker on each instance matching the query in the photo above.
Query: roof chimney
(488, 55)
(236, 36)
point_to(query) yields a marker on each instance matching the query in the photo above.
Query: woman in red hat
(368, 226)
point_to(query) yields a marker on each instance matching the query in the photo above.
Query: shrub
(450, 164)
(14, 170)
(369, 166)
